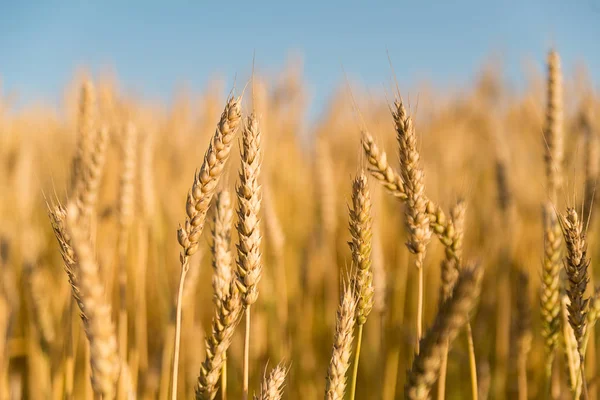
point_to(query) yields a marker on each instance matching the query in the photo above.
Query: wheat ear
(576, 265)
(198, 201)
(272, 386)
(249, 264)
(361, 245)
(417, 217)
(451, 317)
(342, 346)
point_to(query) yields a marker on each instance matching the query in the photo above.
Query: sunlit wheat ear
(360, 245)
(576, 266)
(249, 265)
(342, 345)
(198, 201)
(380, 169)
(206, 180)
(221, 247)
(414, 182)
(451, 317)
(224, 322)
(550, 289)
(417, 216)
(553, 127)
(272, 385)
(98, 324)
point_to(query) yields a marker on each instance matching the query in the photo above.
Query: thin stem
(419, 302)
(441, 393)
(584, 381)
(224, 381)
(246, 354)
(356, 358)
(548, 383)
(472, 362)
(184, 270)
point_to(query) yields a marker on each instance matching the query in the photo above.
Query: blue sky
(154, 47)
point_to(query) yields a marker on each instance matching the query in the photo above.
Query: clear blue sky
(155, 46)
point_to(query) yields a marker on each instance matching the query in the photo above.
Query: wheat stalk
(449, 275)
(451, 317)
(198, 201)
(417, 217)
(360, 245)
(249, 265)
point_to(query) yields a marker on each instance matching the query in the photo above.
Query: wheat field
(418, 244)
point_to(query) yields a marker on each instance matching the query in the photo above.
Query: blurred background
(472, 74)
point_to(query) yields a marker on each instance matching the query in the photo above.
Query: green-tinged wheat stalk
(361, 244)
(451, 317)
(249, 264)
(198, 201)
(339, 363)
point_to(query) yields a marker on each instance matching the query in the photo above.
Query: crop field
(415, 244)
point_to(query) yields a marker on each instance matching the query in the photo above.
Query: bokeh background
(473, 74)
